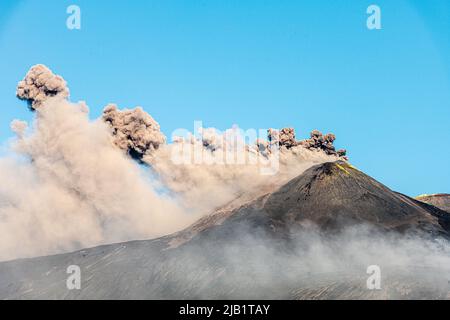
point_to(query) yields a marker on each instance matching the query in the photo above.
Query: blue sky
(258, 64)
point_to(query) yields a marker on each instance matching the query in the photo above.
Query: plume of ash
(66, 186)
(215, 168)
(286, 138)
(134, 131)
(39, 84)
(208, 171)
(323, 142)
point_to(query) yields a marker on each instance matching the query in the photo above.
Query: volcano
(252, 250)
(330, 196)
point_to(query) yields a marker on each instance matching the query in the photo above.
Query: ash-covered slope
(441, 201)
(288, 244)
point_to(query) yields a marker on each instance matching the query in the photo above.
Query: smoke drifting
(316, 266)
(19, 127)
(39, 84)
(80, 187)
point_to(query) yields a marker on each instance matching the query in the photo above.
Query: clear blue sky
(258, 64)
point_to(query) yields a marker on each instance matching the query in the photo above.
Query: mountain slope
(259, 250)
(331, 196)
(441, 201)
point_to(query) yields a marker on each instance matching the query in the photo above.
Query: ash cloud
(317, 141)
(207, 179)
(39, 84)
(323, 142)
(79, 187)
(215, 168)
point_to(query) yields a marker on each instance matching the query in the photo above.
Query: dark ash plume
(134, 131)
(323, 142)
(39, 84)
(285, 138)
